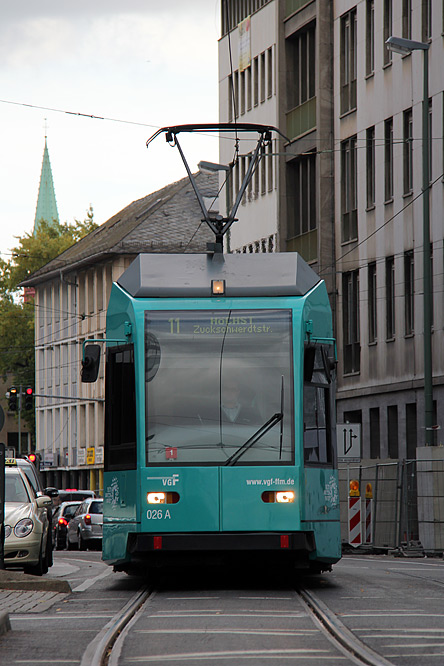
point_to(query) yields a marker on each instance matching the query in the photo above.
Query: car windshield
(96, 507)
(15, 490)
(213, 380)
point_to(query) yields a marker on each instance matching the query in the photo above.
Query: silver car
(27, 530)
(85, 527)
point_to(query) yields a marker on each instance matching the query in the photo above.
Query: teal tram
(219, 417)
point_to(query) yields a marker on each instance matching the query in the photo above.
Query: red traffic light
(32, 458)
(29, 391)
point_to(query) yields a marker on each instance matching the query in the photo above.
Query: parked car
(85, 527)
(74, 495)
(27, 528)
(30, 471)
(60, 519)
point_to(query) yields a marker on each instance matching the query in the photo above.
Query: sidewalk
(21, 593)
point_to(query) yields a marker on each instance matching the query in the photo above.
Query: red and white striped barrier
(354, 521)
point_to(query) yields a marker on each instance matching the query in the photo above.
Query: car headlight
(23, 527)
(8, 530)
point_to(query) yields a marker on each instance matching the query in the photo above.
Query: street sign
(348, 437)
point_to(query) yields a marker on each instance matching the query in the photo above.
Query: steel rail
(97, 652)
(339, 634)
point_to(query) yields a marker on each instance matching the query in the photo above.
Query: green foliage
(17, 359)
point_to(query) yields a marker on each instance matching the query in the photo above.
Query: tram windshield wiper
(268, 425)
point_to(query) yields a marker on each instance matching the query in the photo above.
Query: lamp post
(406, 46)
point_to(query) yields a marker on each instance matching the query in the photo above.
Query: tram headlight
(280, 496)
(162, 498)
(285, 497)
(156, 498)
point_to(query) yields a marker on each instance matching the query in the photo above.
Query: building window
(242, 92)
(302, 71)
(426, 22)
(248, 86)
(256, 81)
(372, 301)
(270, 166)
(349, 197)
(301, 190)
(370, 37)
(350, 322)
(390, 297)
(408, 151)
(388, 31)
(269, 72)
(375, 439)
(409, 289)
(407, 19)
(234, 96)
(348, 61)
(388, 159)
(411, 430)
(262, 86)
(370, 155)
(392, 431)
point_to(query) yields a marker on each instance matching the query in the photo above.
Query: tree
(17, 359)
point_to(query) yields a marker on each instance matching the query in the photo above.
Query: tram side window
(120, 409)
(317, 406)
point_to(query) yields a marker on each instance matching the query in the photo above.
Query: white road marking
(91, 581)
(242, 632)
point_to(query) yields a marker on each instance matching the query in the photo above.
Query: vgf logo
(166, 480)
(170, 480)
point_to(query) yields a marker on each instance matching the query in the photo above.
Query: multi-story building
(379, 220)
(276, 68)
(347, 184)
(71, 296)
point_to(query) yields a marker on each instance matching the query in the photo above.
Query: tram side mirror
(329, 365)
(309, 360)
(91, 363)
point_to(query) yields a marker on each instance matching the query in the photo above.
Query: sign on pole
(348, 437)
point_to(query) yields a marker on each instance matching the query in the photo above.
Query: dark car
(74, 495)
(60, 519)
(85, 527)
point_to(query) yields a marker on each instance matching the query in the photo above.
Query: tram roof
(190, 275)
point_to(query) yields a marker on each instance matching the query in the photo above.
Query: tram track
(344, 639)
(105, 648)
(98, 651)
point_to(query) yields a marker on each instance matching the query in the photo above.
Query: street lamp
(406, 46)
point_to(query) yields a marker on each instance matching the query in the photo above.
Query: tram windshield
(219, 387)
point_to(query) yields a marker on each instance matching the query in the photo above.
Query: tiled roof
(168, 220)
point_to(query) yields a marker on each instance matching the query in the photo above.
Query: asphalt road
(394, 605)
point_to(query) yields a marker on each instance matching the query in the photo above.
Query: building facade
(347, 192)
(379, 221)
(275, 68)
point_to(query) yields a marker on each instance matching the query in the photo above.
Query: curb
(5, 624)
(16, 580)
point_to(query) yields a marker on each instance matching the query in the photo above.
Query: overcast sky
(139, 61)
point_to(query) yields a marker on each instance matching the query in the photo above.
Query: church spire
(46, 203)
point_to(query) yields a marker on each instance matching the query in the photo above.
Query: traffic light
(29, 395)
(35, 459)
(13, 397)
